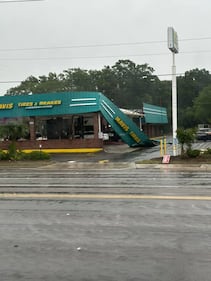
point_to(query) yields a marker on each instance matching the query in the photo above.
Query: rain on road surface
(105, 240)
(64, 178)
(94, 238)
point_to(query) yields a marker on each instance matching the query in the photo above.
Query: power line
(81, 57)
(101, 57)
(14, 1)
(153, 75)
(98, 45)
(81, 46)
(195, 39)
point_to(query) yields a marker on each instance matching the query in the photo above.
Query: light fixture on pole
(173, 47)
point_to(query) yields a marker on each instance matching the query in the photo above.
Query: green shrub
(37, 155)
(192, 153)
(24, 156)
(4, 155)
(208, 151)
(13, 153)
(186, 138)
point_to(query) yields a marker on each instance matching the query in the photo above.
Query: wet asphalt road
(115, 240)
(112, 233)
(65, 178)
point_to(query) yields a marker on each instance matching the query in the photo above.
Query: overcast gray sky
(54, 35)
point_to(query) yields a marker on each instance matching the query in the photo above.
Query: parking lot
(124, 153)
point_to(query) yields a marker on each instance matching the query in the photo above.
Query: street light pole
(173, 47)
(174, 106)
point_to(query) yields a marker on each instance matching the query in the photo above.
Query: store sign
(126, 128)
(135, 137)
(31, 104)
(6, 106)
(173, 40)
(39, 104)
(121, 123)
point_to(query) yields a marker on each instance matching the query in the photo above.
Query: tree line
(128, 85)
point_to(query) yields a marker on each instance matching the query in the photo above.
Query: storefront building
(69, 121)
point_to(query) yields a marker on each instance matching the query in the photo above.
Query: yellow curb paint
(102, 196)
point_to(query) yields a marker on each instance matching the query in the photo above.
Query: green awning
(155, 114)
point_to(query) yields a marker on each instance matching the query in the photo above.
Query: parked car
(203, 135)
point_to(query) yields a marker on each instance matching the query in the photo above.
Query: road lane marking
(101, 196)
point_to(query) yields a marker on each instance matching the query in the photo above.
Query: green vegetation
(186, 137)
(129, 85)
(36, 155)
(194, 156)
(16, 155)
(202, 105)
(188, 155)
(193, 153)
(14, 131)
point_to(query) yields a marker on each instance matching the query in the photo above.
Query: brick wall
(53, 144)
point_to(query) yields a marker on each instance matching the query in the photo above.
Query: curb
(182, 167)
(91, 165)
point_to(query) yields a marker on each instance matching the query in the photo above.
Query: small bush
(25, 156)
(193, 153)
(4, 155)
(208, 151)
(12, 152)
(37, 155)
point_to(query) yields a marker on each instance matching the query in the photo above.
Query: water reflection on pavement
(122, 153)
